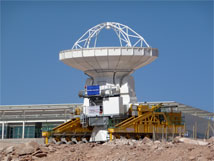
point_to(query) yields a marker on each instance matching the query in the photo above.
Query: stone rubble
(179, 149)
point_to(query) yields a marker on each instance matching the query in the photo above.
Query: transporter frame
(141, 121)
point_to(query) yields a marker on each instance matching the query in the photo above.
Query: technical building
(31, 120)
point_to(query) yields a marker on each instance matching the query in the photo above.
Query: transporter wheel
(74, 140)
(88, 138)
(57, 139)
(137, 137)
(79, 138)
(68, 139)
(148, 136)
(117, 136)
(127, 136)
(84, 140)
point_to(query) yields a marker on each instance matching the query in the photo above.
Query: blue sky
(33, 33)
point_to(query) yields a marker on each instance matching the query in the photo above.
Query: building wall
(32, 130)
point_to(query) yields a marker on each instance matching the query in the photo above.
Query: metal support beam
(23, 130)
(2, 132)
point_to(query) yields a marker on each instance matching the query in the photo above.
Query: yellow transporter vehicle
(71, 131)
(140, 121)
(150, 122)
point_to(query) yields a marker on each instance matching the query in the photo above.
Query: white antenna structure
(127, 36)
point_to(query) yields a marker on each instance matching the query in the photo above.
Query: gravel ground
(180, 149)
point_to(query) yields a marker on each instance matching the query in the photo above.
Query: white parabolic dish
(101, 62)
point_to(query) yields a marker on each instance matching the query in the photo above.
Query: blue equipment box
(93, 90)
